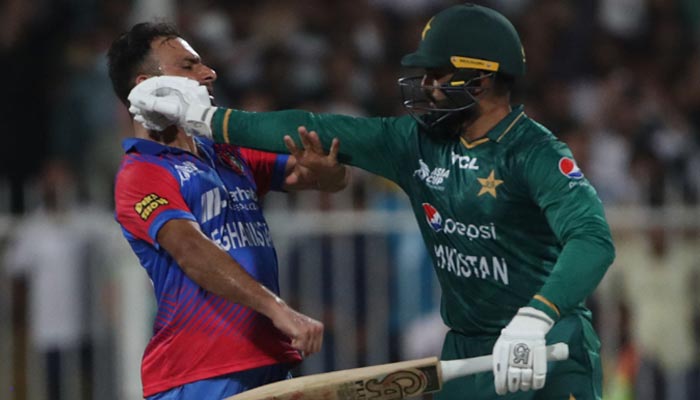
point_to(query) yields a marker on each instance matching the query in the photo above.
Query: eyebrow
(192, 60)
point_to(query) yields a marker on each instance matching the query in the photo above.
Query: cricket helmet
(469, 36)
(473, 42)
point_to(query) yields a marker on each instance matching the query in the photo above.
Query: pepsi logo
(432, 215)
(568, 167)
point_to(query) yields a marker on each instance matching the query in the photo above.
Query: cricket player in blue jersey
(191, 211)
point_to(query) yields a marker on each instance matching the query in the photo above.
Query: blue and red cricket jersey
(199, 335)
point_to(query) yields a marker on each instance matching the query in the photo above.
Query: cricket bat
(381, 382)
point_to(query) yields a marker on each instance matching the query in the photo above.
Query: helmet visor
(420, 95)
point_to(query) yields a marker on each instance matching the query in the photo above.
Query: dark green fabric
(469, 30)
(580, 376)
(500, 220)
(372, 144)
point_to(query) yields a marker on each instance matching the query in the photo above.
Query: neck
(171, 136)
(489, 115)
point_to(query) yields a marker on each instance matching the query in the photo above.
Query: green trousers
(578, 378)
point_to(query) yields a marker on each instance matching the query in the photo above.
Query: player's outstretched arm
(377, 145)
(311, 167)
(214, 270)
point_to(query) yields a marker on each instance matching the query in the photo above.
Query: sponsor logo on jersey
(145, 207)
(432, 178)
(214, 202)
(568, 167)
(186, 170)
(450, 226)
(432, 215)
(464, 162)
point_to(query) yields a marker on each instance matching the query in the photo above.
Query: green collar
(506, 125)
(498, 132)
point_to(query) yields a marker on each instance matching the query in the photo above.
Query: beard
(447, 126)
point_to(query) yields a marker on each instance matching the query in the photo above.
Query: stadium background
(618, 80)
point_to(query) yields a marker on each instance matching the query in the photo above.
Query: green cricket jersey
(504, 218)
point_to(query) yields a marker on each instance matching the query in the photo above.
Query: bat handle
(457, 368)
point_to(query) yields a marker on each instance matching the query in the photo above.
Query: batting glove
(520, 355)
(161, 101)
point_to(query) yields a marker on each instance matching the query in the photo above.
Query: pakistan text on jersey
(235, 235)
(467, 266)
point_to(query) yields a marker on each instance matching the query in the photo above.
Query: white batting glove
(161, 101)
(520, 355)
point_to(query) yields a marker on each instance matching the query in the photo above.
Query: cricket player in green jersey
(517, 235)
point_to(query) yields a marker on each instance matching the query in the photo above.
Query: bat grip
(457, 368)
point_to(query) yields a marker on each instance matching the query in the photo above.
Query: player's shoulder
(536, 145)
(140, 162)
(535, 137)
(137, 166)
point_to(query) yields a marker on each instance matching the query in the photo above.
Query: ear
(485, 80)
(141, 78)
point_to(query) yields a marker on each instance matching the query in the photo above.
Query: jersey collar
(500, 130)
(145, 146)
(506, 125)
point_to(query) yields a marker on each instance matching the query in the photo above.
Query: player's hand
(520, 355)
(161, 101)
(314, 164)
(306, 333)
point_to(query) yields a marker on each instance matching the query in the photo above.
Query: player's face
(431, 82)
(176, 57)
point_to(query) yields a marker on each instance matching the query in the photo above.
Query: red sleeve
(147, 196)
(268, 168)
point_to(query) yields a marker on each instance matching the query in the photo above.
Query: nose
(429, 86)
(208, 75)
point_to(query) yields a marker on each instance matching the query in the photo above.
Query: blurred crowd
(618, 80)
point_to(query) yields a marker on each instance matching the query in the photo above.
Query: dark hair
(128, 55)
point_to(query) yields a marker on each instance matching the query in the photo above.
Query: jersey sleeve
(268, 168)
(377, 145)
(576, 216)
(147, 196)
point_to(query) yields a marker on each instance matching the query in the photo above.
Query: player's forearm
(579, 268)
(214, 270)
(363, 140)
(246, 129)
